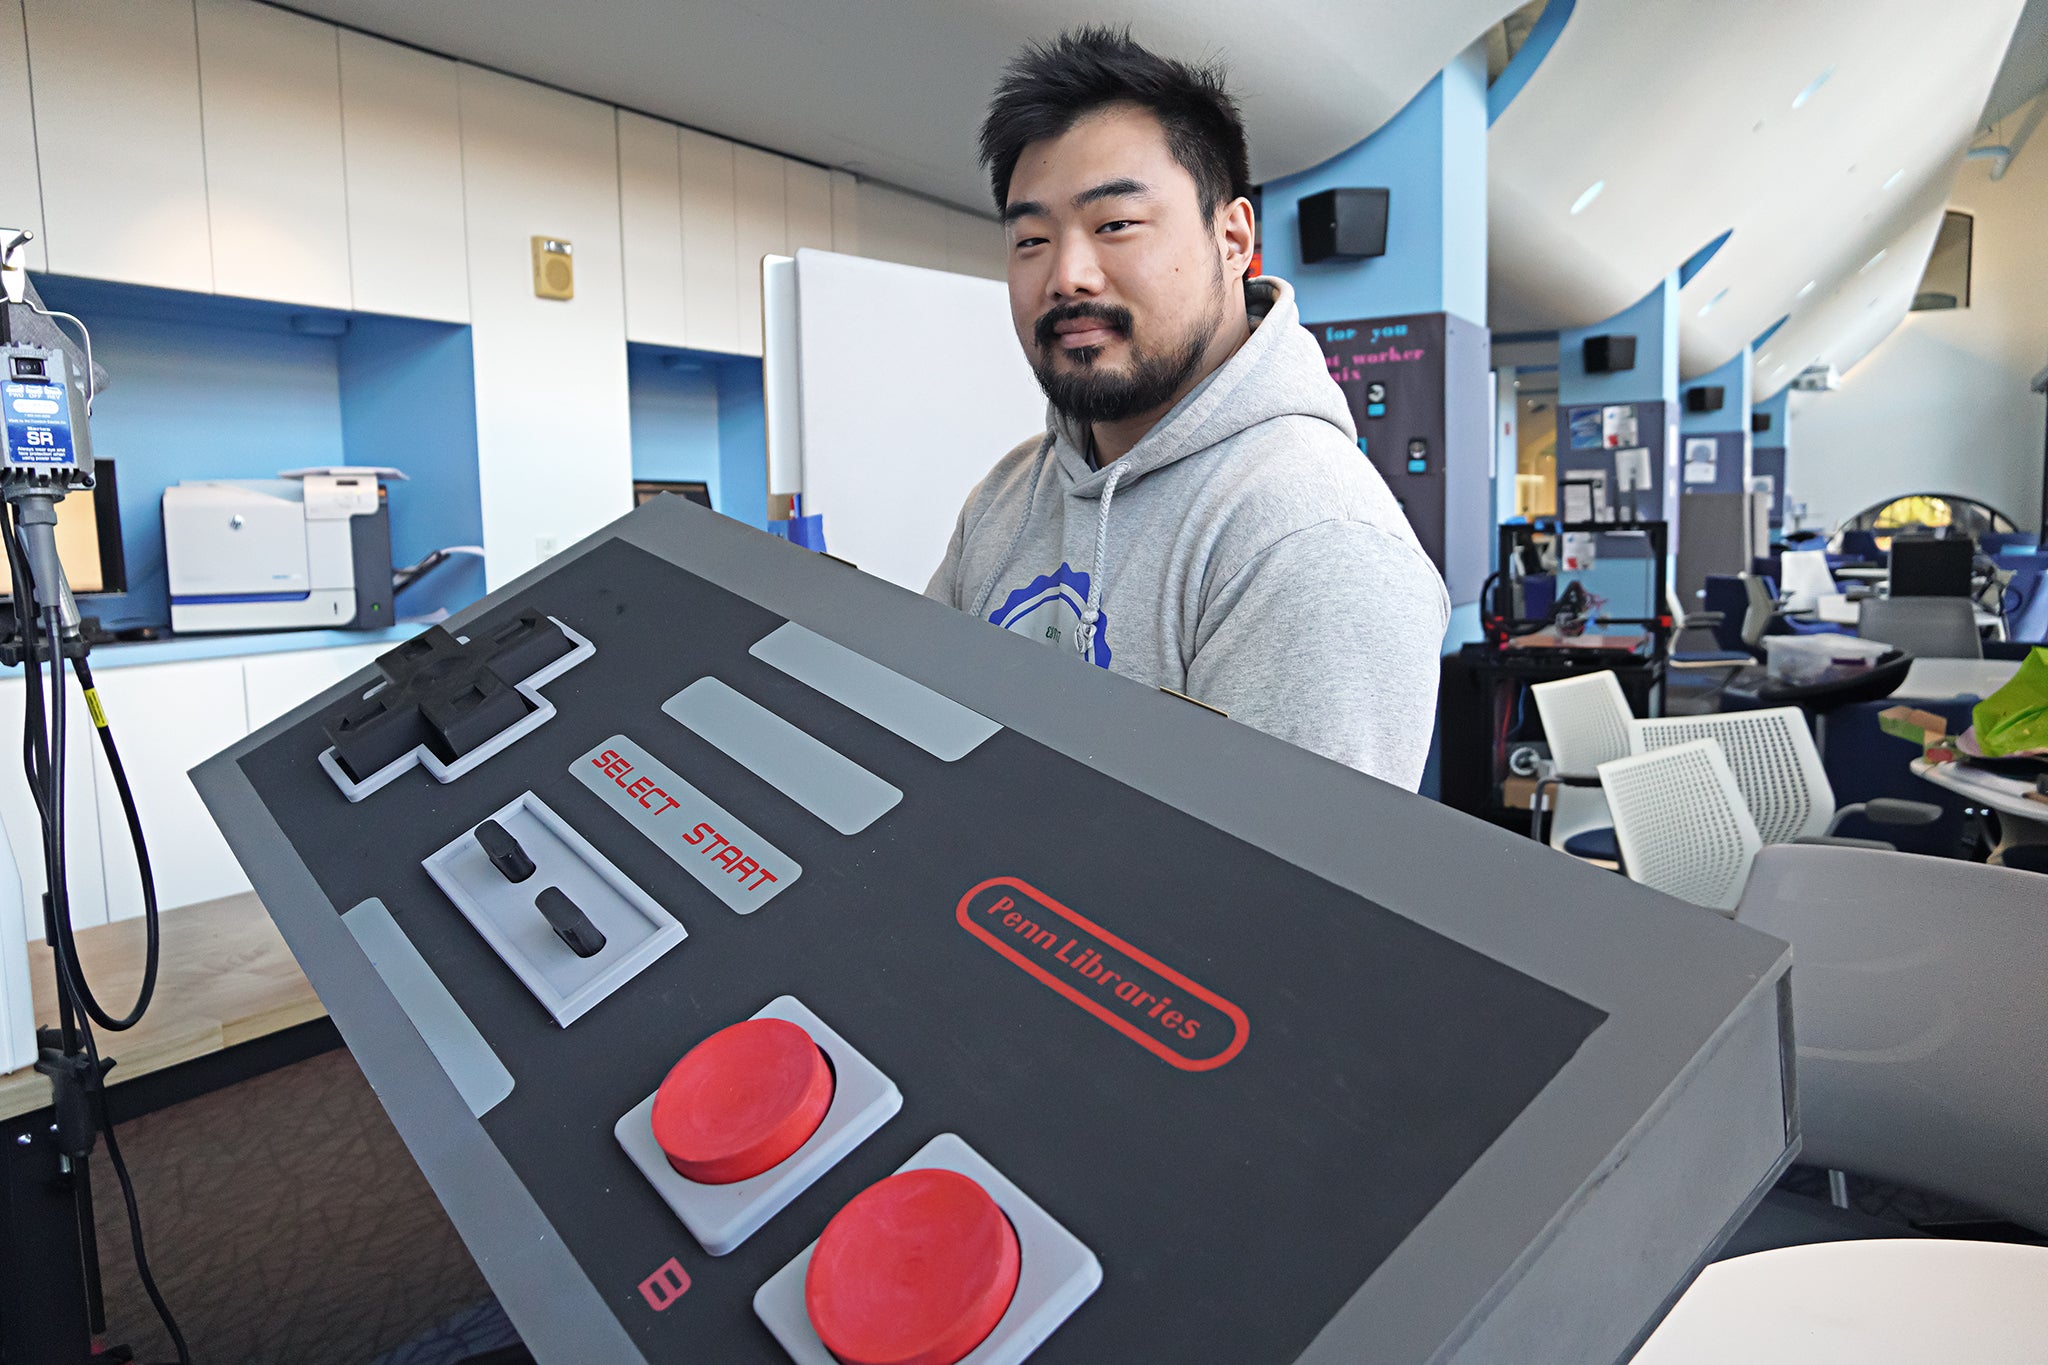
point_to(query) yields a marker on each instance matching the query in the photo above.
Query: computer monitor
(695, 490)
(88, 538)
(1923, 566)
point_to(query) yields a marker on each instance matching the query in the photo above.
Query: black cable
(142, 1270)
(43, 754)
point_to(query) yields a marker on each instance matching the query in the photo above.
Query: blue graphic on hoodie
(1049, 608)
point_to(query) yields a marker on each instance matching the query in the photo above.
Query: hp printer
(308, 549)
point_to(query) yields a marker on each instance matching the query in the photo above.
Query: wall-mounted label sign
(1186, 1025)
(731, 861)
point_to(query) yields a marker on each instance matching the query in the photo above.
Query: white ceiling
(896, 89)
(1686, 112)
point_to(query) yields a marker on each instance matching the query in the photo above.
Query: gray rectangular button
(822, 780)
(936, 724)
(480, 1078)
(735, 864)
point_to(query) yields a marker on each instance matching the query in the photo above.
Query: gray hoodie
(1254, 560)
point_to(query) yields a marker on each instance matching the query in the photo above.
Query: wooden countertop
(226, 977)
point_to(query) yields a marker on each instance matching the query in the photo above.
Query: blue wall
(206, 387)
(742, 441)
(674, 399)
(1653, 321)
(1432, 158)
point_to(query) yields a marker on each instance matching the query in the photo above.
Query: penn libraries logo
(1186, 1025)
(1049, 608)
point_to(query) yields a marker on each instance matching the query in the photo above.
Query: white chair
(1681, 823)
(1778, 769)
(1587, 722)
(1921, 1018)
(1805, 579)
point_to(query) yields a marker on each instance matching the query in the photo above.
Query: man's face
(1118, 283)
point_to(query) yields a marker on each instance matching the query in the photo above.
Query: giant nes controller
(1260, 1060)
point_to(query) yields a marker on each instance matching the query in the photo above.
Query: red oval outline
(1237, 1017)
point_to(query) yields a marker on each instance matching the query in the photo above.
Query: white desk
(1906, 1302)
(1945, 679)
(1864, 575)
(2027, 821)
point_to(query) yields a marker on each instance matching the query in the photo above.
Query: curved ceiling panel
(1820, 133)
(895, 89)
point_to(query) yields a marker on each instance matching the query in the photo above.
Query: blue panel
(1653, 321)
(1767, 333)
(742, 442)
(1733, 379)
(1543, 35)
(1779, 408)
(408, 399)
(197, 388)
(1432, 158)
(674, 399)
(1698, 260)
(203, 387)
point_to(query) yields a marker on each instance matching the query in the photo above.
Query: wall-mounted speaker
(1610, 354)
(1759, 423)
(1343, 225)
(1705, 398)
(554, 269)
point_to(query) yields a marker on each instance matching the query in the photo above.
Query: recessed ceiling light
(1708, 306)
(1873, 260)
(1812, 88)
(1806, 289)
(1896, 177)
(1592, 193)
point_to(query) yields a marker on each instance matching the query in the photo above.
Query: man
(1255, 560)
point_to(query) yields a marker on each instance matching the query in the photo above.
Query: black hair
(1049, 87)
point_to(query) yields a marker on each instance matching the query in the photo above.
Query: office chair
(1922, 1023)
(1778, 770)
(1764, 615)
(1862, 545)
(1928, 627)
(1586, 721)
(1806, 579)
(1681, 824)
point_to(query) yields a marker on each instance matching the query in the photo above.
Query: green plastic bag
(2014, 719)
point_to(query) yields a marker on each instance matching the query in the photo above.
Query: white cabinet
(903, 228)
(975, 245)
(711, 286)
(846, 213)
(551, 396)
(24, 829)
(270, 92)
(761, 229)
(118, 140)
(277, 683)
(21, 196)
(401, 128)
(168, 718)
(807, 205)
(651, 230)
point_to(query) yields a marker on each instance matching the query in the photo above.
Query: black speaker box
(1705, 398)
(1343, 225)
(1609, 354)
(1759, 423)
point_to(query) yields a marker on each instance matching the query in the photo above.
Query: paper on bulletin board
(1631, 469)
(1577, 553)
(1702, 459)
(1585, 428)
(1618, 426)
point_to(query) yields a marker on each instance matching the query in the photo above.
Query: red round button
(916, 1270)
(742, 1101)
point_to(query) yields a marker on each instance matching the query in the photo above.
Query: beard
(1084, 393)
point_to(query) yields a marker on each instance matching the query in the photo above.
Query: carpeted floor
(285, 1223)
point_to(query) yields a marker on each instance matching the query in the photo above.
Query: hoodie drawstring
(1084, 638)
(988, 586)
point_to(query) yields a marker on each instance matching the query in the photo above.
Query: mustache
(1113, 316)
